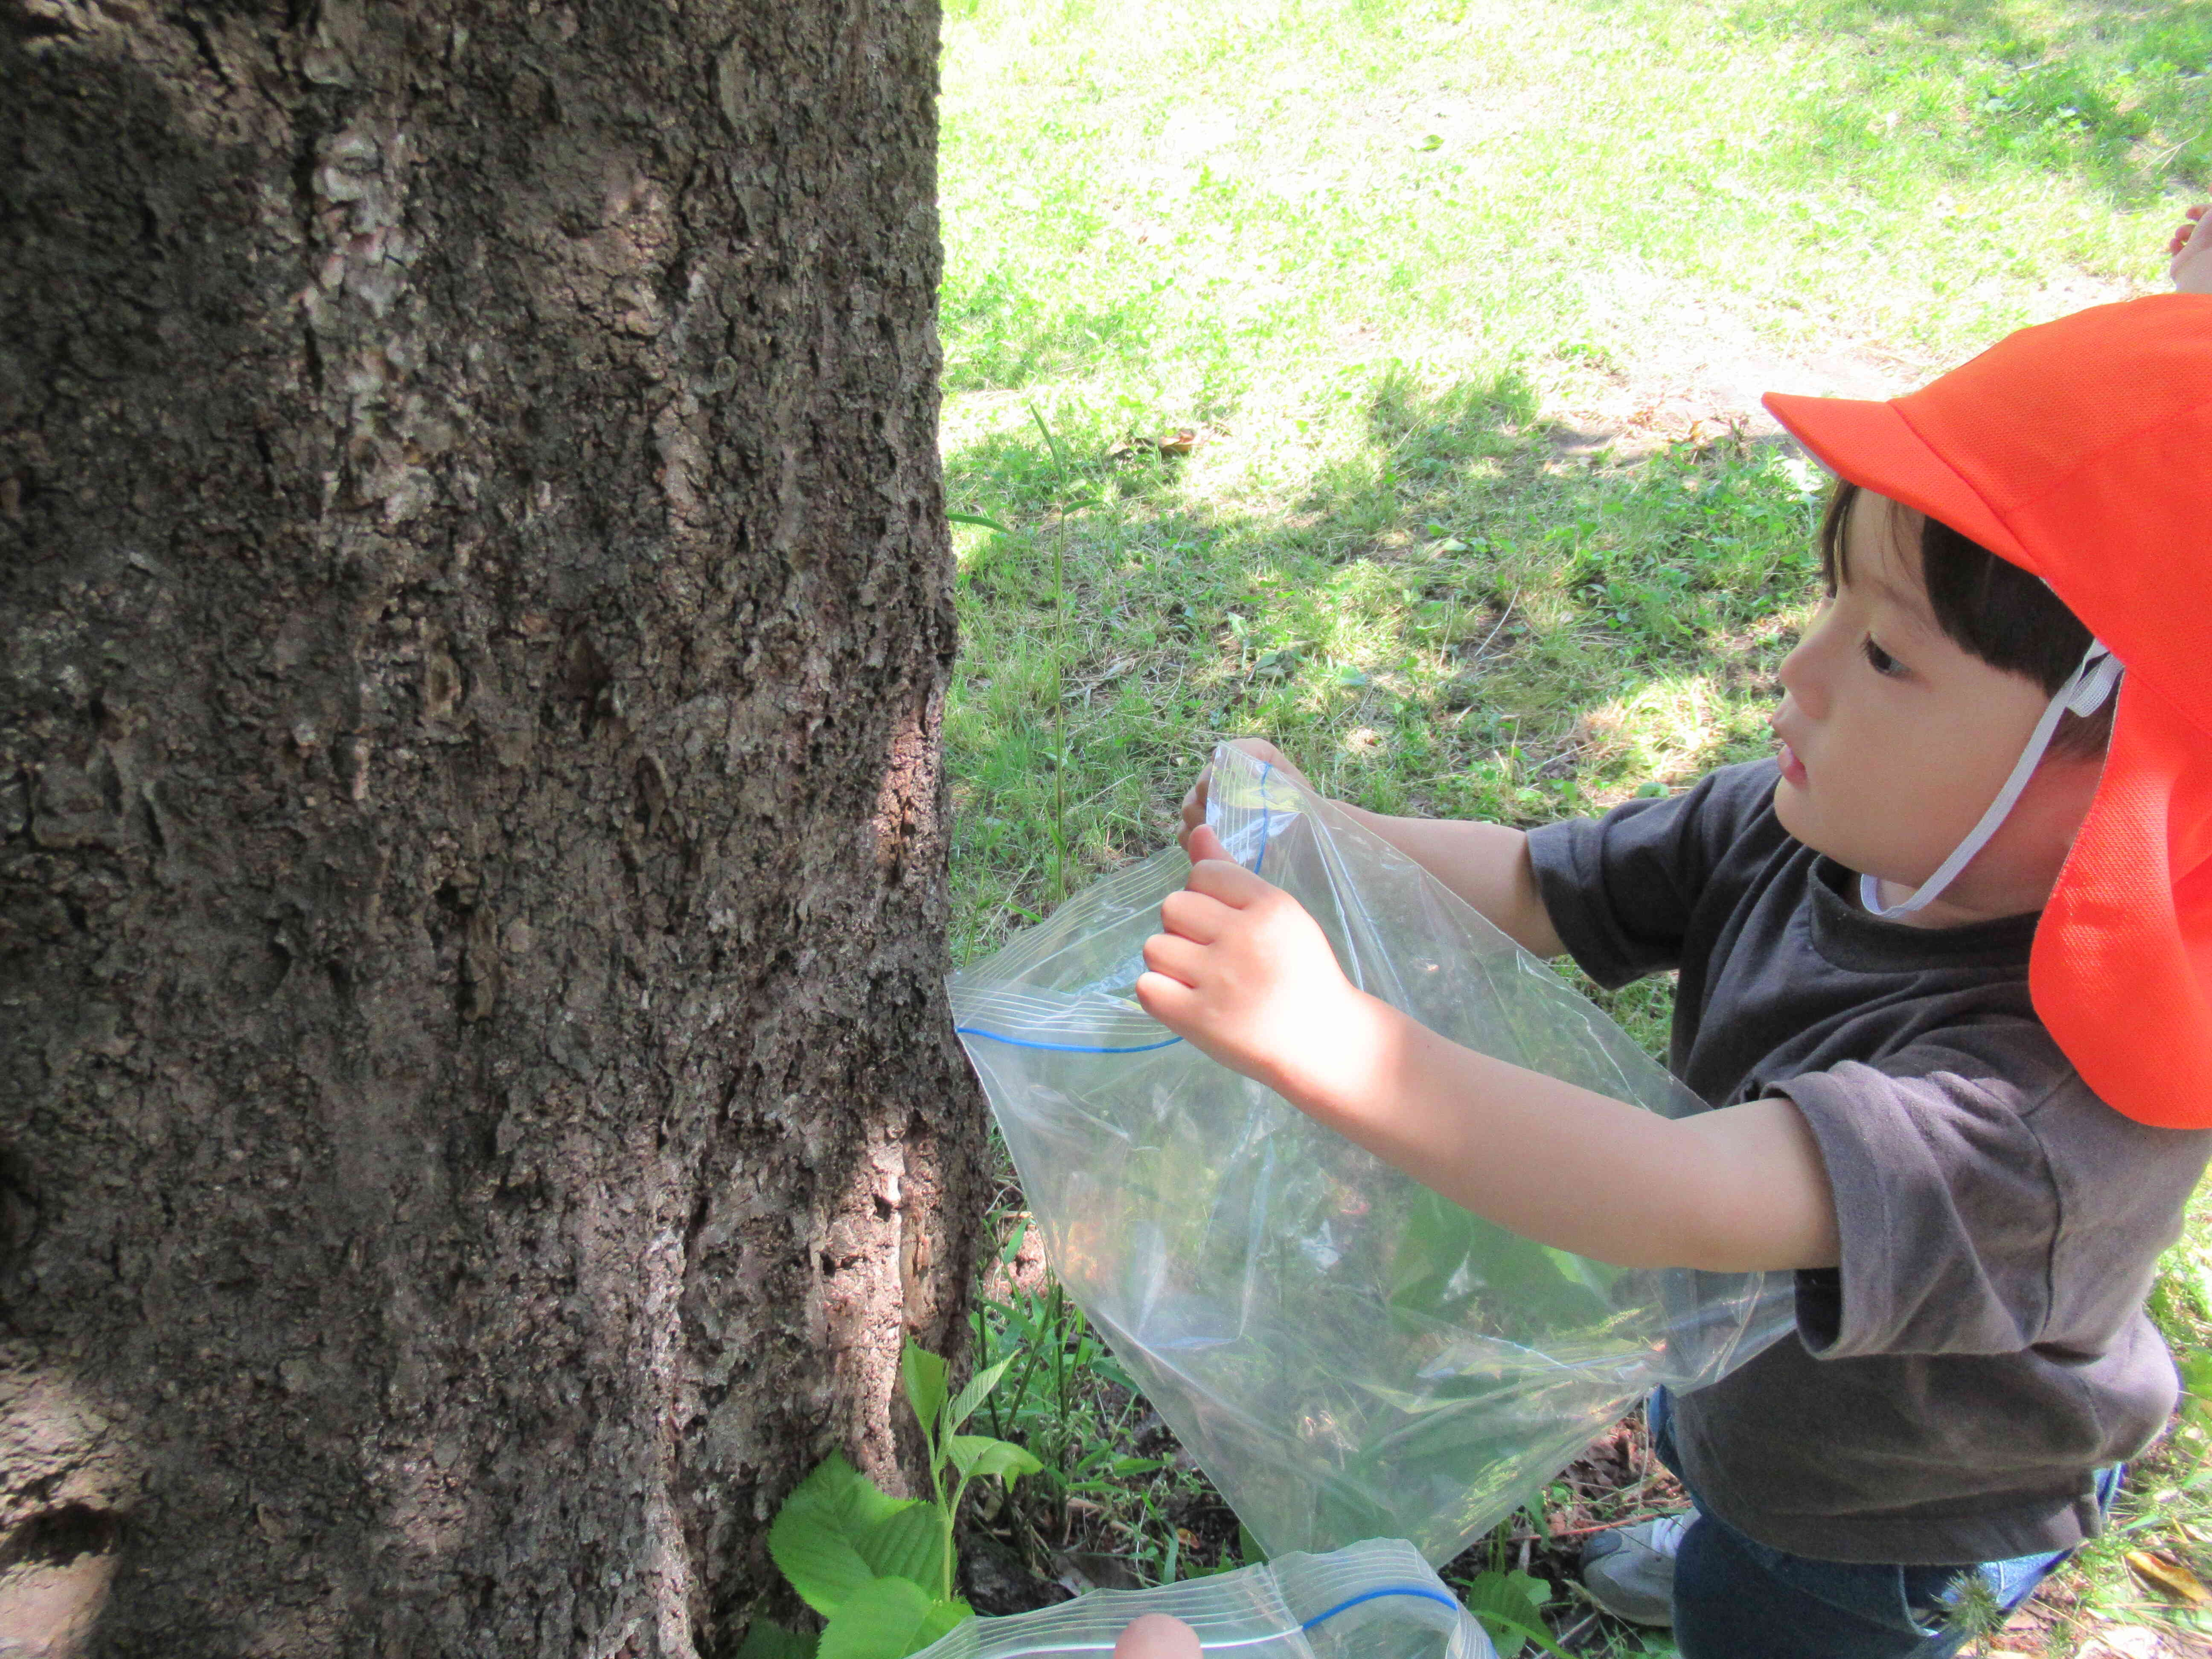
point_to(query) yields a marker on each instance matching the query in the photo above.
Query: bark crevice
(474, 612)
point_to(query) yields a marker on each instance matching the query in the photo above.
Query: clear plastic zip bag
(1373, 1601)
(1346, 1355)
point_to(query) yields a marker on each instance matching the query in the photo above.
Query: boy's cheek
(1788, 805)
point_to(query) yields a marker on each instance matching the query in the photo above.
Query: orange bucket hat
(2081, 451)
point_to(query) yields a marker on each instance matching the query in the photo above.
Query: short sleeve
(1947, 1209)
(1986, 1200)
(1620, 890)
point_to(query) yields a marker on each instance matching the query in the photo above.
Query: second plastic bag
(1347, 1355)
(1374, 1600)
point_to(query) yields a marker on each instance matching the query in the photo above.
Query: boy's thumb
(1205, 844)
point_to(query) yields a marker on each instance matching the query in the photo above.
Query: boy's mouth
(1793, 769)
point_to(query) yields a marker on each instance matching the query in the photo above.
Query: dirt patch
(1705, 377)
(1704, 368)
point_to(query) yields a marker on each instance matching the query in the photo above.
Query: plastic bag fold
(1347, 1355)
(1373, 1601)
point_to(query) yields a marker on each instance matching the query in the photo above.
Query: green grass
(1376, 255)
(1225, 211)
(1408, 271)
(1456, 622)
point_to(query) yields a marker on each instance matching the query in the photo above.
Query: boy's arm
(1486, 864)
(1246, 974)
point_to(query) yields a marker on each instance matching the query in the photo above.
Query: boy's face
(1896, 738)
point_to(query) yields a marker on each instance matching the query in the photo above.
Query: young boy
(1945, 980)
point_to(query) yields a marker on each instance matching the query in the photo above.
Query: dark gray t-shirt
(1983, 1347)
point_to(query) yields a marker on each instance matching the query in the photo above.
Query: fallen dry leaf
(2162, 1572)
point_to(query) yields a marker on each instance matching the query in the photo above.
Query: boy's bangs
(1835, 565)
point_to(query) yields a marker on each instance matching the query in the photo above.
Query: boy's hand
(2191, 248)
(1248, 976)
(1194, 804)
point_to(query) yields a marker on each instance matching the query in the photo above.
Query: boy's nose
(1797, 677)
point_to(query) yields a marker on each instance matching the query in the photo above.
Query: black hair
(1992, 609)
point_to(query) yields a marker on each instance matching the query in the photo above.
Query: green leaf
(978, 1389)
(908, 1545)
(1538, 1590)
(944, 1616)
(845, 1498)
(979, 520)
(1507, 1604)
(889, 1620)
(924, 1373)
(1110, 1369)
(813, 1541)
(1348, 675)
(978, 1453)
(2196, 1367)
(1059, 455)
(768, 1640)
(821, 1564)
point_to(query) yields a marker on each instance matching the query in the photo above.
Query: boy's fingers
(1214, 871)
(1179, 959)
(1166, 999)
(1232, 883)
(1194, 915)
(1193, 800)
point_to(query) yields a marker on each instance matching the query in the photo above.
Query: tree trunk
(477, 1109)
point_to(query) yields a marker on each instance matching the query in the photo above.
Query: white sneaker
(1630, 1572)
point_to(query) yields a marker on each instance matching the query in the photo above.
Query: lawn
(1381, 378)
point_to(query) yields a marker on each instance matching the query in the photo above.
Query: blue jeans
(1736, 1598)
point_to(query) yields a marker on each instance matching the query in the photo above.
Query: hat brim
(1874, 445)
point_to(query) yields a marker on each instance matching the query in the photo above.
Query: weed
(1111, 1477)
(880, 1570)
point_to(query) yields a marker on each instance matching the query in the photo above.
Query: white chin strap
(2084, 693)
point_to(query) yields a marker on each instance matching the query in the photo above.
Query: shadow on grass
(2114, 91)
(1447, 619)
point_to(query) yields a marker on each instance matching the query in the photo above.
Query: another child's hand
(1246, 974)
(1157, 1636)
(2191, 248)
(1193, 803)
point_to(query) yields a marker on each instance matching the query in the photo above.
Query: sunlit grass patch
(1436, 616)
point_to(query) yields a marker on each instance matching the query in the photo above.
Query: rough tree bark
(476, 1107)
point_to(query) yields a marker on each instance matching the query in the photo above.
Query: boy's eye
(1880, 660)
